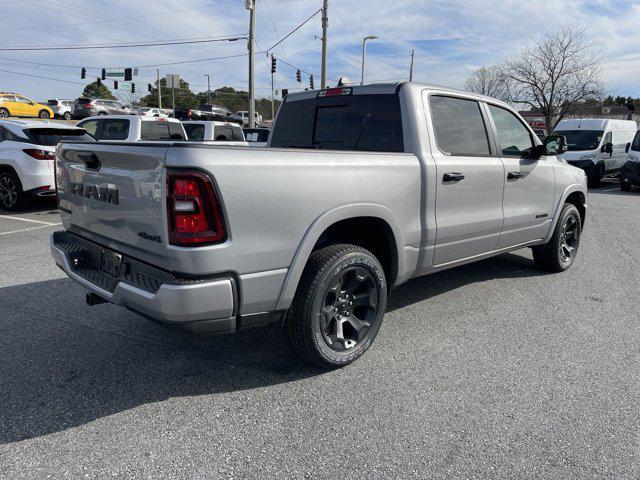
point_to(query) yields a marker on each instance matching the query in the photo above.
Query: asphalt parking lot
(493, 370)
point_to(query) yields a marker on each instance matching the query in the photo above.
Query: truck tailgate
(114, 195)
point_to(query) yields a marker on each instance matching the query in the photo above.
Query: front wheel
(596, 176)
(4, 113)
(560, 252)
(67, 115)
(338, 307)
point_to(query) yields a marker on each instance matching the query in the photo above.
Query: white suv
(27, 160)
(62, 108)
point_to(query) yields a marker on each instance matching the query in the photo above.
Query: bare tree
(555, 75)
(486, 81)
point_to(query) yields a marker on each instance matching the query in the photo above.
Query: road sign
(115, 74)
(126, 85)
(173, 80)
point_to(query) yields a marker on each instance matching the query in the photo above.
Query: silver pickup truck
(359, 190)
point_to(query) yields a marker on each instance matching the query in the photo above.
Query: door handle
(452, 177)
(514, 175)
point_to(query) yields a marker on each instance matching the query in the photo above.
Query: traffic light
(128, 75)
(115, 84)
(99, 81)
(273, 64)
(104, 74)
(311, 82)
(285, 92)
(133, 88)
(83, 73)
(149, 87)
(299, 76)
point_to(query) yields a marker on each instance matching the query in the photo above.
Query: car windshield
(50, 137)
(582, 139)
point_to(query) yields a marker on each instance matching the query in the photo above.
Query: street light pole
(251, 6)
(325, 26)
(208, 87)
(413, 53)
(364, 53)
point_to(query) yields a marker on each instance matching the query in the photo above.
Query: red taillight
(194, 212)
(39, 154)
(335, 92)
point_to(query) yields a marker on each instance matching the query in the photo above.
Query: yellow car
(14, 105)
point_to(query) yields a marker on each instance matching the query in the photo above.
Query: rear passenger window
(459, 126)
(154, 131)
(514, 139)
(114, 129)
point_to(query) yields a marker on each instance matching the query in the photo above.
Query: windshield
(50, 137)
(582, 139)
(635, 145)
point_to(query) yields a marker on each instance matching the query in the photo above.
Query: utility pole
(413, 52)
(251, 6)
(208, 87)
(159, 89)
(273, 98)
(325, 26)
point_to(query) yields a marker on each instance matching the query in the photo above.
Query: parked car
(218, 132)
(596, 145)
(204, 112)
(62, 108)
(361, 189)
(88, 107)
(256, 137)
(630, 172)
(127, 128)
(151, 112)
(244, 116)
(16, 105)
(26, 160)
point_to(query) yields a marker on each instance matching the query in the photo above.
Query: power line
(123, 45)
(293, 31)
(39, 76)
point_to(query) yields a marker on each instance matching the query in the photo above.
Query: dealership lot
(490, 370)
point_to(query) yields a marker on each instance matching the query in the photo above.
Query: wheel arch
(576, 195)
(336, 226)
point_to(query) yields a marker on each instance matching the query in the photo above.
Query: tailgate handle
(90, 160)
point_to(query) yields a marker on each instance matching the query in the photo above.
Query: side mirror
(607, 148)
(555, 145)
(627, 147)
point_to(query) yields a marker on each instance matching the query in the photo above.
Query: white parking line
(11, 217)
(29, 229)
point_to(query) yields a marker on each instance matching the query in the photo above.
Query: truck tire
(338, 307)
(597, 174)
(560, 252)
(12, 198)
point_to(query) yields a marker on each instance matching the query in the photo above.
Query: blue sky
(451, 39)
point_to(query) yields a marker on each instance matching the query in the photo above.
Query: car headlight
(591, 156)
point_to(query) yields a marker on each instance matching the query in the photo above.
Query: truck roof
(389, 89)
(130, 117)
(597, 124)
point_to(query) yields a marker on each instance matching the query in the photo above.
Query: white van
(596, 145)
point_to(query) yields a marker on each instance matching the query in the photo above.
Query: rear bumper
(200, 306)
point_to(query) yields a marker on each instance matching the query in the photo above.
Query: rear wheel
(4, 113)
(12, 198)
(625, 186)
(67, 115)
(596, 176)
(560, 252)
(43, 114)
(338, 307)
